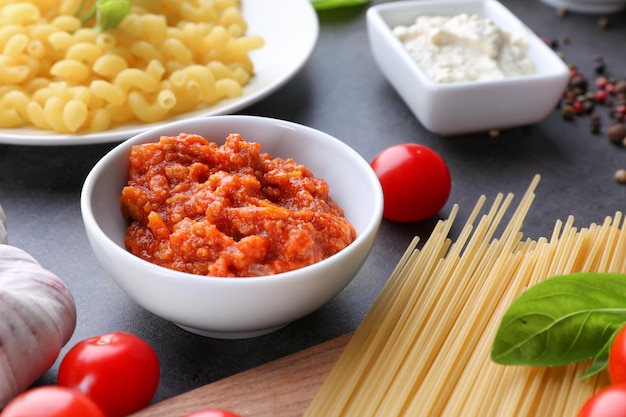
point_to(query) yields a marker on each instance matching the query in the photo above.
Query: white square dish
(465, 107)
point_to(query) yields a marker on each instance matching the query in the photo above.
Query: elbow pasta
(165, 58)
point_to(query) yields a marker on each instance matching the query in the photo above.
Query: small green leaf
(110, 13)
(562, 320)
(333, 4)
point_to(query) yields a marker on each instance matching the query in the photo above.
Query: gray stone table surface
(340, 91)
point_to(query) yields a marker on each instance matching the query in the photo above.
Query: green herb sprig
(109, 13)
(333, 4)
(563, 320)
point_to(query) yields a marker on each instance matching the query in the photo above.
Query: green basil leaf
(601, 360)
(562, 320)
(599, 364)
(332, 4)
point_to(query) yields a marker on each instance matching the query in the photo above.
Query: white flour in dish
(465, 48)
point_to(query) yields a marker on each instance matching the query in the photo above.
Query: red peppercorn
(578, 107)
(609, 88)
(621, 109)
(601, 82)
(600, 96)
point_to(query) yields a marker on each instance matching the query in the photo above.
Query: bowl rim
(378, 22)
(93, 228)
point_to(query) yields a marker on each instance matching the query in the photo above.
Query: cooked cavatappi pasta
(166, 57)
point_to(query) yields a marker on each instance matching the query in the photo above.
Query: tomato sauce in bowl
(228, 210)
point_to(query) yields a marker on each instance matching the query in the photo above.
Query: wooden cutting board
(281, 388)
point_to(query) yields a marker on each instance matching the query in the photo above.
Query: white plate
(290, 29)
(588, 6)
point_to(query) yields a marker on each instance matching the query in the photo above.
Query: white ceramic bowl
(588, 6)
(230, 307)
(465, 107)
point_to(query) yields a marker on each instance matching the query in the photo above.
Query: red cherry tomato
(212, 412)
(608, 402)
(617, 358)
(52, 401)
(415, 180)
(119, 371)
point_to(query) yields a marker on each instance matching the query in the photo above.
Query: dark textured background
(339, 91)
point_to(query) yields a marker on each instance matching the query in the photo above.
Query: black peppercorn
(617, 133)
(568, 112)
(579, 83)
(595, 127)
(600, 68)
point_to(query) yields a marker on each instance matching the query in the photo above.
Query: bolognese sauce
(228, 210)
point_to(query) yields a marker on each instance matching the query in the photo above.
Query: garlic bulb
(37, 318)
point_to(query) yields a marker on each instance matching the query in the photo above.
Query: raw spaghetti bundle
(423, 348)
